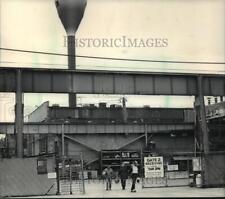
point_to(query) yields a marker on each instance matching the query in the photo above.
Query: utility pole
(202, 130)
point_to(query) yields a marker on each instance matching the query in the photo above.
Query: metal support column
(19, 115)
(70, 168)
(63, 151)
(82, 172)
(146, 135)
(124, 110)
(202, 117)
(202, 126)
(57, 167)
(71, 65)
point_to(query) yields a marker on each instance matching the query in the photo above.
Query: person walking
(134, 175)
(108, 174)
(123, 174)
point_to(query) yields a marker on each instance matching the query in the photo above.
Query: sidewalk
(96, 189)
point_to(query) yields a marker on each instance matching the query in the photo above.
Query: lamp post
(63, 145)
(71, 13)
(57, 166)
(63, 149)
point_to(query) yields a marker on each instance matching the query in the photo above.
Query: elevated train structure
(99, 128)
(171, 135)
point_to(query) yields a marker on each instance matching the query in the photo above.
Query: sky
(194, 31)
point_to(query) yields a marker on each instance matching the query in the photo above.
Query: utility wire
(115, 67)
(32, 63)
(113, 58)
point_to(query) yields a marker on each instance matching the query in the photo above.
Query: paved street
(97, 189)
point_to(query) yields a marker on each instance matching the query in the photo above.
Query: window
(209, 101)
(42, 166)
(43, 144)
(216, 100)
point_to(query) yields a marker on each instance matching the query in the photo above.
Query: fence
(182, 171)
(214, 169)
(26, 177)
(71, 175)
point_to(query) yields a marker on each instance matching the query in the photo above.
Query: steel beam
(110, 82)
(41, 128)
(19, 116)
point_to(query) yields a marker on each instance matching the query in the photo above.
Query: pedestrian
(134, 175)
(123, 174)
(108, 174)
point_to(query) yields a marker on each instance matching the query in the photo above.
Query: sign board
(172, 167)
(196, 163)
(153, 167)
(177, 175)
(52, 175)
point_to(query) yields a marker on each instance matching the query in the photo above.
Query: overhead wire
(114, 67)
(115, 58)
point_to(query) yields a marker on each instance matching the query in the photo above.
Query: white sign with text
(153, 167)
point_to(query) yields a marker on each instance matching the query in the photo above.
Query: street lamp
(71, 13)
(57, 165)
(63, 145)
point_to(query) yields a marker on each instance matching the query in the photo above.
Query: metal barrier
(156, 173)
(210, 167)
(71, 175)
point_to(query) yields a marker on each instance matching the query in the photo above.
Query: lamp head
(70, 13)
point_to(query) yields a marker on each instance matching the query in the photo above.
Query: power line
(169, 69)
(114, 58)
(146, 68)
(118, 67)
(32, 63)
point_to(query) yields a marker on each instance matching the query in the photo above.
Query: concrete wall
(93, 144)
(19, 177)
(100, 142)
(40, 114)
(165, 143)
(88, 154)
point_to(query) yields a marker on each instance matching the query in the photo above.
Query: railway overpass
(36, 80)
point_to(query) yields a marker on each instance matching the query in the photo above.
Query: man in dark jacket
(123, 173)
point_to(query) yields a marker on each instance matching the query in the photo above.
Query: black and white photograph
(112, 98)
